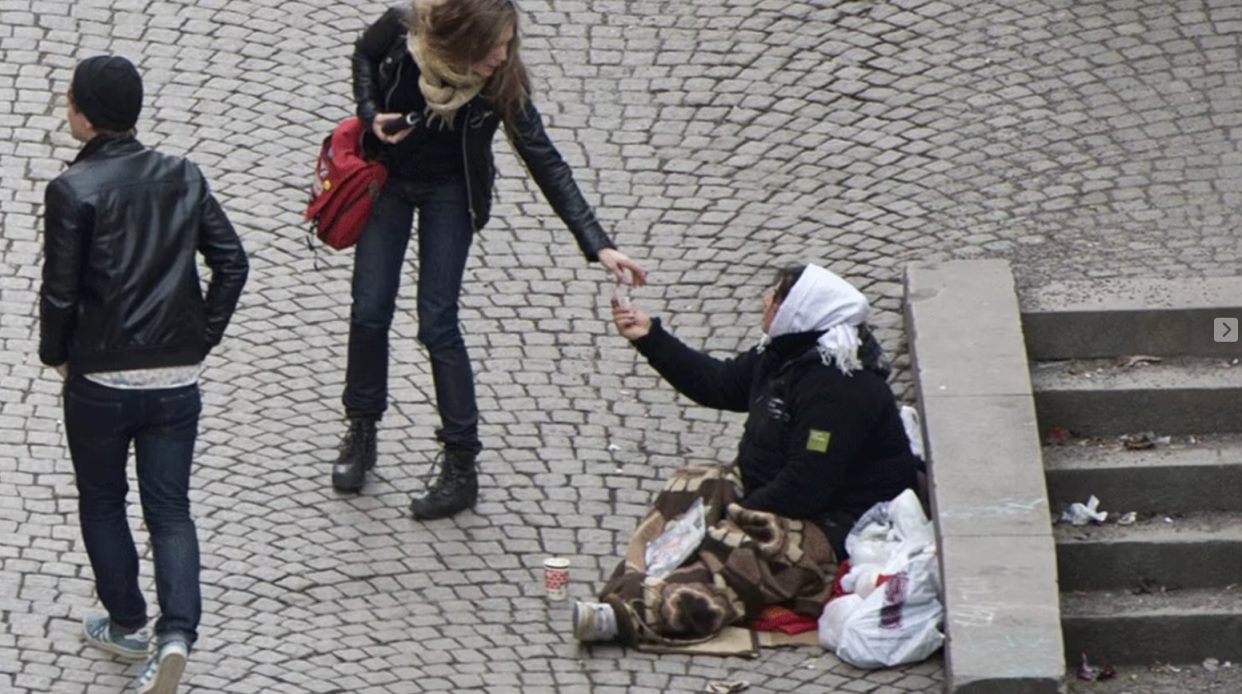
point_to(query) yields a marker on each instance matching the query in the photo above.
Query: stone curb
(986, 479)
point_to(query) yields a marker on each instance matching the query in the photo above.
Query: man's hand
(63, 370)
(617, 263)
(631, 322)
(377, 127)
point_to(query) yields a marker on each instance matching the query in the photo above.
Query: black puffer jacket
(818, 444)
(120, 279)
(386, 81)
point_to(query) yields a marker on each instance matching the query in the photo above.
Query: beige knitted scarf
(445, 89)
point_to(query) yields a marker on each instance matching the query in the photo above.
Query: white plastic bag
(832, 621)
(1081, 514)
(914, 431)
(862, 581)
(887, 527)
(898, 622)
(911, 524)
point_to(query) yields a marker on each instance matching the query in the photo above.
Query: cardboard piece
(731, 641)
(738, 641)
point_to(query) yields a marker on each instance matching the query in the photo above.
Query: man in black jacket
(124, 321)
(823, 442)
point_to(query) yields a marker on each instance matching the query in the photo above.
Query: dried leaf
(1138, 442)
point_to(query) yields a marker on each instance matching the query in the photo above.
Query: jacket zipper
(465, 163)
(395, 82)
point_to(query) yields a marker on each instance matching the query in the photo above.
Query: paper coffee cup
(556, 577)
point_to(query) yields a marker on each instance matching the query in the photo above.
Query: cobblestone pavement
(1079, 138)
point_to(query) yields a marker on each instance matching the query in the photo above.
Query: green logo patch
(818, 441)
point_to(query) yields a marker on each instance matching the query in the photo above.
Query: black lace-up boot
(356, 457)
(456, 489)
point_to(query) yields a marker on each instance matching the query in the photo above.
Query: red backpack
(345, 186)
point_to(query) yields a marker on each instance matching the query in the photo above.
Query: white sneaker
(594, 621)
(164, 669)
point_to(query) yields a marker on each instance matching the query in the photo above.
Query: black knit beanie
(107, 89)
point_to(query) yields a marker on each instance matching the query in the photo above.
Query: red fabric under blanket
(777, 618)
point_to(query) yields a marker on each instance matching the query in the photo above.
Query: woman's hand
(631, 322)
(617, 263)
(377, 127)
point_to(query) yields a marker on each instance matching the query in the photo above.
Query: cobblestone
(1078, 139)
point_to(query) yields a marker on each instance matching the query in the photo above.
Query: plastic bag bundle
(882, 531)
(893, 610)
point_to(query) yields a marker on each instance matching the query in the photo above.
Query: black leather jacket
(386, 81)
(120, 280)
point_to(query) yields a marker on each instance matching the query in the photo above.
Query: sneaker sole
(595, 622)
(168, 677)
(581, 632)
(121, 652)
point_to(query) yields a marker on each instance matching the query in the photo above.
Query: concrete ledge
(1079, 320)
(986, 476)
(987, 480)
(1003, 615)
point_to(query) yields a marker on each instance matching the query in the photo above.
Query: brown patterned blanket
(748, 560)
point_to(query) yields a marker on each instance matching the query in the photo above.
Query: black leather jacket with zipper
(121, 287)
(386, 81)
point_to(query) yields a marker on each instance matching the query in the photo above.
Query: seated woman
(823, 442)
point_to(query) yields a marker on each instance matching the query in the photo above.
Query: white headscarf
(822, 301)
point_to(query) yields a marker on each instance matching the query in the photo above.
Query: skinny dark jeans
(445, 233)
(100, 424)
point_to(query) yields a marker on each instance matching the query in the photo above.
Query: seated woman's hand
(632, 322)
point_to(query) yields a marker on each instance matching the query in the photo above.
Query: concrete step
(1078, 320)
(1184, 626)
(1188, 474)
(1175, 396)
(1157, 552)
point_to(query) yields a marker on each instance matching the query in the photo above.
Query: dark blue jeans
(444, 236)
(101, 423)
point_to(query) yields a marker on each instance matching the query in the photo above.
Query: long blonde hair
(463, 32)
